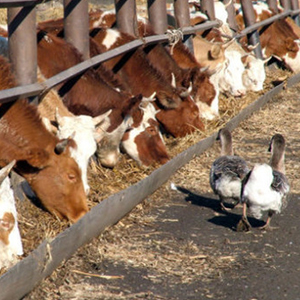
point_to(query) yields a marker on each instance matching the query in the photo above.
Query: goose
(227, 171)
(265, 188)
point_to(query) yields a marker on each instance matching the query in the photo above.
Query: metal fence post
(22, 43)
(76, 25)
(208, 8)
(182, 17)
(249, 19)
(126, 16)
(295, 6)
(157, 12)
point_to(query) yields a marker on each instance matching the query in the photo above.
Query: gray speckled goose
(227, 171)
(266, 187)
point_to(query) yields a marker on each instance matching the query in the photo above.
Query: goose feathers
(227, 171)
(226, 174)
(265, 190)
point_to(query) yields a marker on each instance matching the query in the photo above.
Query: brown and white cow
(85, 130)
(203, 90)
(139, 76)
(10, 239)
(143, 141)
(41, 158)
(185, 59)
(93, 94)
(277, 39)
(254, 75)
(226, 67)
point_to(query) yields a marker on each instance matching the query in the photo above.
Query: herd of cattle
(126, 104)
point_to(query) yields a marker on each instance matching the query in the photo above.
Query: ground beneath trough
(179, 245)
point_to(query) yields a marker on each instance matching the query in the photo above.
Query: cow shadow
(228, 219)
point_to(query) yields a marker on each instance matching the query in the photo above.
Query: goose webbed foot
(223, 207)
(243, 225)
(267, 226)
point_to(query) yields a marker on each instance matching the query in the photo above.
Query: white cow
(228, 75)
(10, 239)
(254, 74)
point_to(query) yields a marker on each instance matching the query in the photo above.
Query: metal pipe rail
(40, 88)
(263, 23)
(19, 3)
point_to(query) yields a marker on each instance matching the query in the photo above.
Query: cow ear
(215, 52)
(5, 171)
(50, 126)
(290, 44)
(58, 118)
(37, 157)
(245, 61)
(64, 144)
(166, 101)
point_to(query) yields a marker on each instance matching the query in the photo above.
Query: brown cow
(42, 159)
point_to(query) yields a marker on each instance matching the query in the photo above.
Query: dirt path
(179, 245)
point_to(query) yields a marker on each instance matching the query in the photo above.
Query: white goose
(227, 171)
(266, 187)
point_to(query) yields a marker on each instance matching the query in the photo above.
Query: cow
(97, 17)
(87, 131)
(185, 59)
(93, 94)
(226, 67)
(41, 158)
(145, 129)
(139, 76)
(10, 239)
(203, 91)
(83, 131)
(254, 75)
(75, 93)
(277, 39)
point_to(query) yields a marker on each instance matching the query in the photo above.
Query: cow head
(229, 75)
(204, 93)
(55, 178)
(254, 74)
(86, 132)
(292, 56)
(143, 140)
(182, 120)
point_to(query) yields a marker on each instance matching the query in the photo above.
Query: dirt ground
(177, 244)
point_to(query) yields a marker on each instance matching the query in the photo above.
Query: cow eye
(151, 130)
(72, 177)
